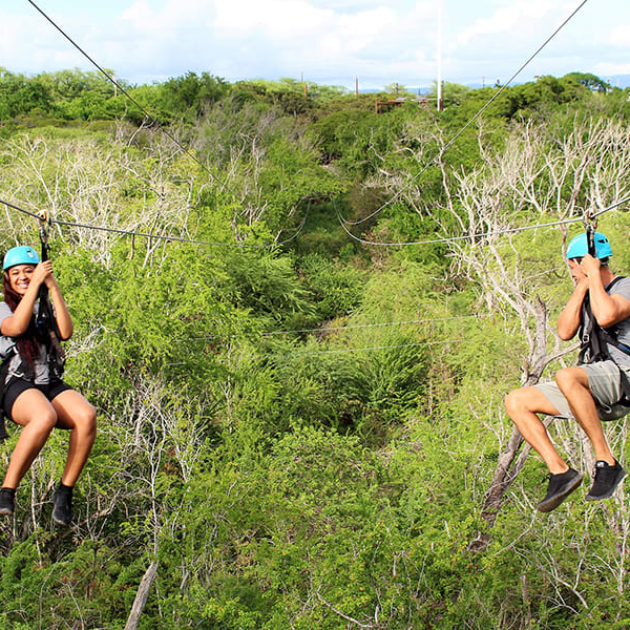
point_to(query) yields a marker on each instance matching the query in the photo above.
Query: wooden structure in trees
(383, 106)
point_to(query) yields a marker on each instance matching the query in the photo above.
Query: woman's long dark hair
(27, 343)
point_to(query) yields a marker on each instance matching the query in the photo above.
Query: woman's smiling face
(20, 277)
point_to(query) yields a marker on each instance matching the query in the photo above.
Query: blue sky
(325, 41)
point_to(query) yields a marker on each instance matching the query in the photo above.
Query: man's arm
(570, 317)
(608, 310)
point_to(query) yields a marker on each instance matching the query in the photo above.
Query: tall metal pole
(439, 58)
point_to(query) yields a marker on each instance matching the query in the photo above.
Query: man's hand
(590, 266)
(577, 273)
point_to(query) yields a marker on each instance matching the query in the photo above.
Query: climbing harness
(595, 341)
(593, 338)
(46, 323)
(4, 371)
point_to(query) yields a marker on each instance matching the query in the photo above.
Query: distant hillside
(616, 81)
(621, 81)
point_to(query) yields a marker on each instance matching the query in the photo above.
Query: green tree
(591, 81)
(190, 95)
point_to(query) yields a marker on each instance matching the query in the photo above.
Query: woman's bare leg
(36, 415)
(77, 415)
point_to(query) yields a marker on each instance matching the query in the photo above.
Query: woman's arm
(64, 321)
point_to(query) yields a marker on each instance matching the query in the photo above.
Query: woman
(35, 397)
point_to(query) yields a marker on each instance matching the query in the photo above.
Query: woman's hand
(43, 274)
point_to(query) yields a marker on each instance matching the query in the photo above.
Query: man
(593, 390)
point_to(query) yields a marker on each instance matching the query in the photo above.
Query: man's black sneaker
(559, 488)
(7, 501)
(62, 505)
(607, 478)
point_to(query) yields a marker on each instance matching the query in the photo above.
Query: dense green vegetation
(298, 429)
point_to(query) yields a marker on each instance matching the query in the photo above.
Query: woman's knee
(33, 410)
(75, 412)
(85, 419)
(43, 421)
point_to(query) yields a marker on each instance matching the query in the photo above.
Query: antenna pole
(439, 57)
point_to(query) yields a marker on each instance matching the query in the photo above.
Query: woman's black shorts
(18, 385)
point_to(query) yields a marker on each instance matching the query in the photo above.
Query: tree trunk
(141, 597)
(508, 466)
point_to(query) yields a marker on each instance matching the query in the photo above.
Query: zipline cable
(342, 220)
(151, 118)
(182, 239)
(452, 141)
(594, 215)
(14, 207)
(112, 79)
(449, 239)
(343, 351)
(365, 349)
(325, 329)
(434, 241)
(162, 237)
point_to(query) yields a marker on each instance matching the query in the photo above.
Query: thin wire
(125, 92)
(10, 205)
(615, 205)
(449, 239)
(544, 273)
(179, 239)
(165, 131)
(345, 350)
(325, 329)
(468, 124)
(366, 349)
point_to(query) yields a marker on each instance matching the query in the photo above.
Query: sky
(330, 42)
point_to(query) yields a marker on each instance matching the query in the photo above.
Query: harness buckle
(44, 221)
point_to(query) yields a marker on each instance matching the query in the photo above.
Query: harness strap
(46, 321)
(595, 340)
(4, 370)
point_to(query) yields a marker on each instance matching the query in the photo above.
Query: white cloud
(175, 16)
(326, 40)
(505, 19)
(620, 36)
(283, 19)
(606, 69)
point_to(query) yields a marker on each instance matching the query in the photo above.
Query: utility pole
(356, 86)
(439, 58)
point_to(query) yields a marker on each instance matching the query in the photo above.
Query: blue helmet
(22, 255)
(578, 247)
